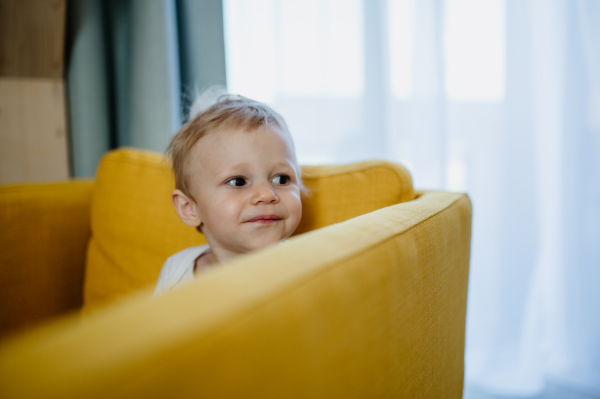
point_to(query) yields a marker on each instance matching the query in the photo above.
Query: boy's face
(246, 187)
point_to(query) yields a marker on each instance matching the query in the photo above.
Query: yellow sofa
(356, 307)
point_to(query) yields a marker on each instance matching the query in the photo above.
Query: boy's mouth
(264, 219)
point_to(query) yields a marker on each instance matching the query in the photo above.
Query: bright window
(475, 50)
(294, 48)
(401, 30)
(316, 48)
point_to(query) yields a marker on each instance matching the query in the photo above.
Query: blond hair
(230, 112)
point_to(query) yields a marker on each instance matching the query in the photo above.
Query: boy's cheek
(292, 191)
(231, 207)
(295, 207)
(224, 197)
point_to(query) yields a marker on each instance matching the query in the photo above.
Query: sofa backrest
(135, 228)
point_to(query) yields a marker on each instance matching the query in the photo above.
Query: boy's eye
(281, 179)
(236, 181)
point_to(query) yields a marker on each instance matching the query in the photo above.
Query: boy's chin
(264, 242)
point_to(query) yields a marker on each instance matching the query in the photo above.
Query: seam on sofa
(434, 211)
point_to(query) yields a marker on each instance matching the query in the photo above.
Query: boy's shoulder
(179, 268)
(185, 253)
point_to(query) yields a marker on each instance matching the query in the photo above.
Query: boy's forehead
(224, 135)
(202, 154)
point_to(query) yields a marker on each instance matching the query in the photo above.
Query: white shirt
(178, 269)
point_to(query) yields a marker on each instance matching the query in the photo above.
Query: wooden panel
(33, 130)
(32, 35)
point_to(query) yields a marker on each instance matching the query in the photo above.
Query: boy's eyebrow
(284, 164)
(240, 165)
(232, 168)
(243, 165)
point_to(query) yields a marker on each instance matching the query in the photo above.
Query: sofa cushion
(135, 228)
(44, 234)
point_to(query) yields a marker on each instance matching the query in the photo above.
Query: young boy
(237, 181)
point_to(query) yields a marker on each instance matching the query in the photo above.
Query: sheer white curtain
(497, 98)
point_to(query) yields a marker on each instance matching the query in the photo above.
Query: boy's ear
(186, 209)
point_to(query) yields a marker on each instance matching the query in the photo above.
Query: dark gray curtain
(133, 66)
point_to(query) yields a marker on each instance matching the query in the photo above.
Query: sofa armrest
(44, 234)
(371, 307)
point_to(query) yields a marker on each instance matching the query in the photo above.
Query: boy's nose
(264, 193)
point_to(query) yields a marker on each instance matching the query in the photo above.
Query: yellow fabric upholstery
(135, 228)
(347, 191)
(44, 230)
(134, 225)
(372, 307)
